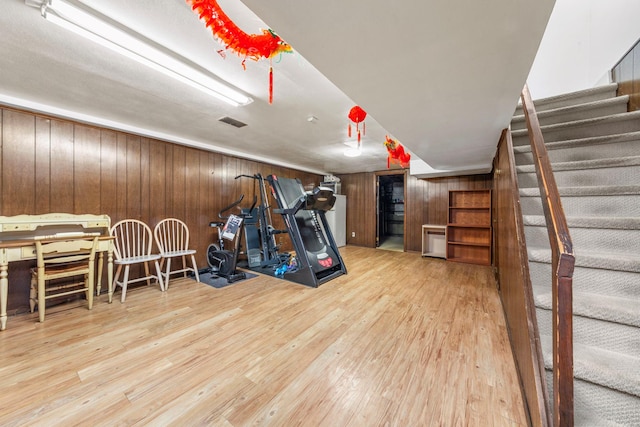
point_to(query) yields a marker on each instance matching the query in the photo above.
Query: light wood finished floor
(400, 341)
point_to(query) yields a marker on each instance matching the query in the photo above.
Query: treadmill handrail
(300, 203)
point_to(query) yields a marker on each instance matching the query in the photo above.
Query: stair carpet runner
(594, 148)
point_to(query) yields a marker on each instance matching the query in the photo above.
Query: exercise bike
(222, 262)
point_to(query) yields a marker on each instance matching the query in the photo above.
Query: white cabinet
(434, 240)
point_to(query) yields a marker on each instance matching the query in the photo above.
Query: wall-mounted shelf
(434, 241)
(469, 227)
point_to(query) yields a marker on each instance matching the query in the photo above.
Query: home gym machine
(316, 252)
(262, 249)
(222, 262)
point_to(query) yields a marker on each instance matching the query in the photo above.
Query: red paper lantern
(357, 115)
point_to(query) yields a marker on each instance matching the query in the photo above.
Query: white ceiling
(441, 76)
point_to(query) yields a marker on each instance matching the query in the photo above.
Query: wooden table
(22, 250)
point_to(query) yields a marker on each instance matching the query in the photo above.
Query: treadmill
(317, 256)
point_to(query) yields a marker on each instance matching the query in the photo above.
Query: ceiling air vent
(232, 122)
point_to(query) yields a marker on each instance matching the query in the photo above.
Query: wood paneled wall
(426, 202)
(360, 189)
(53, 165)
(511, 263)
(627, 74)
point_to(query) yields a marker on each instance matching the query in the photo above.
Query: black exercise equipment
(317, 257)
(262, 249)
(223, 263)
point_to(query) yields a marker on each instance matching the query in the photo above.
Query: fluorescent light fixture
(83, 21)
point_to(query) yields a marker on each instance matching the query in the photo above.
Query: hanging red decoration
(357, 115)
(396, 153)
(270, 84)
(253, 46)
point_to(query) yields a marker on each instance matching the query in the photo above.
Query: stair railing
(563, 262)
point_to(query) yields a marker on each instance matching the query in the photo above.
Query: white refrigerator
(337, 220)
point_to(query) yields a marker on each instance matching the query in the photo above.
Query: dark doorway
(390, 234)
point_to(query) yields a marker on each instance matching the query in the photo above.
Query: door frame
(376, 181)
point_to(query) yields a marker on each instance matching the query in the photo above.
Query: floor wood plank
(401, 340)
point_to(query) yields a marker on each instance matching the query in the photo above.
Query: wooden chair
(172, 238)
(60, 259)
(132, 245)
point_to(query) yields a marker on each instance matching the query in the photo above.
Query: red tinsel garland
(253, 46)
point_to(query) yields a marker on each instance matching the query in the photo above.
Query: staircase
(594, 148)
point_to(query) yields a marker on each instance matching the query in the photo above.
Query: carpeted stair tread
(590, 234)
(608, 336)
(582, 142)
(616, 223)
(585, 152)
(590, 259)
(621, 284)
(585, 107)
(632, 117)
(581, 96)
(603, 190)
(625, 311)
(597, 201)
(598, 406)
(590, 410)
(586, 164)
(606, 368)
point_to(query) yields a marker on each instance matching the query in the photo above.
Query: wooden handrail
(563, 262)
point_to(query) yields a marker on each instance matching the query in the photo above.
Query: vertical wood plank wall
(627, 74)
(426, 203)
(53, 165)
(515, 286)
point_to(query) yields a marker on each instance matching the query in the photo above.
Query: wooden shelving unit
(469, 227)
